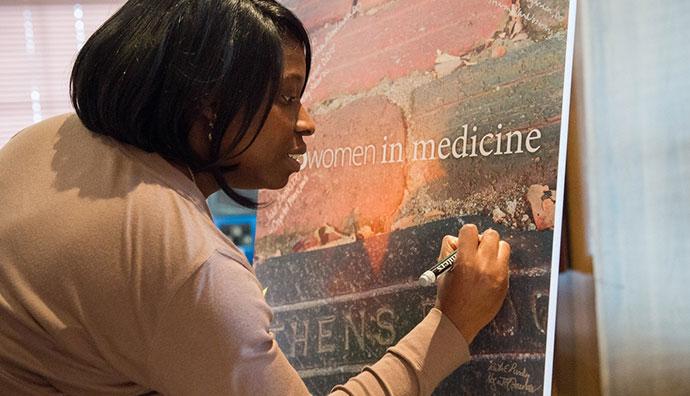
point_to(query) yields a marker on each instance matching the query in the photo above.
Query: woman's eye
(289, 99)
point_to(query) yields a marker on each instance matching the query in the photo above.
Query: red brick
(366, 195)
(396, 41)
(316, 13)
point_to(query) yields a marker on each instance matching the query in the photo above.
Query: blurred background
(624, 306)
(39, 41)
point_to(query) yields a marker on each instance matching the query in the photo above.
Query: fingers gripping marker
(428, 278)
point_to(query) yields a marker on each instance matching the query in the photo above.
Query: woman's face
(271, 158)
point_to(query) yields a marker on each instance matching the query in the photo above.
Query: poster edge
(560, 194)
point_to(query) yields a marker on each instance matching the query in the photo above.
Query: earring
(210, 134)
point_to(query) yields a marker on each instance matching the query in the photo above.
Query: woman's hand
(472, 293)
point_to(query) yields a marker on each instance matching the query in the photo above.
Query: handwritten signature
(510, 377)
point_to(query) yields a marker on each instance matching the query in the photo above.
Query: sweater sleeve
(416, 364)
(213, 338)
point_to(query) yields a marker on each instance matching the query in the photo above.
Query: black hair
(148, 72)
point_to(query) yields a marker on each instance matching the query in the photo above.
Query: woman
(114, 279)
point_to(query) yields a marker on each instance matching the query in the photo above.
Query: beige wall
(629, 189)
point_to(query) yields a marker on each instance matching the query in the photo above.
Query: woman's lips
(297, 157)
(296, 160)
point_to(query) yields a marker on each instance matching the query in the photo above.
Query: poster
(430, 114)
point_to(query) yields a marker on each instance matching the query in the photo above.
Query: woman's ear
(199, 137)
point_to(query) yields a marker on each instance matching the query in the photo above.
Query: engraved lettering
(506, 320)
(303, 338)
(540, 310)
(325, 333)
(388, 338)
(350, 326)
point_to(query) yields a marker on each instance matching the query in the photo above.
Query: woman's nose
(305, 124)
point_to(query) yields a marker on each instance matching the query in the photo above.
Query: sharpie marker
(429, 277)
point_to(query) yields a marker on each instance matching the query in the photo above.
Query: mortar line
(382, 291)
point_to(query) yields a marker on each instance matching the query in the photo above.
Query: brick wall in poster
(341, 246)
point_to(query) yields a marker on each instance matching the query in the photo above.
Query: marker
(429, 277)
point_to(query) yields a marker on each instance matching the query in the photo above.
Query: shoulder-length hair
(148, 72)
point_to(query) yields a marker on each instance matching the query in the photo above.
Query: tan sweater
(114, 280)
